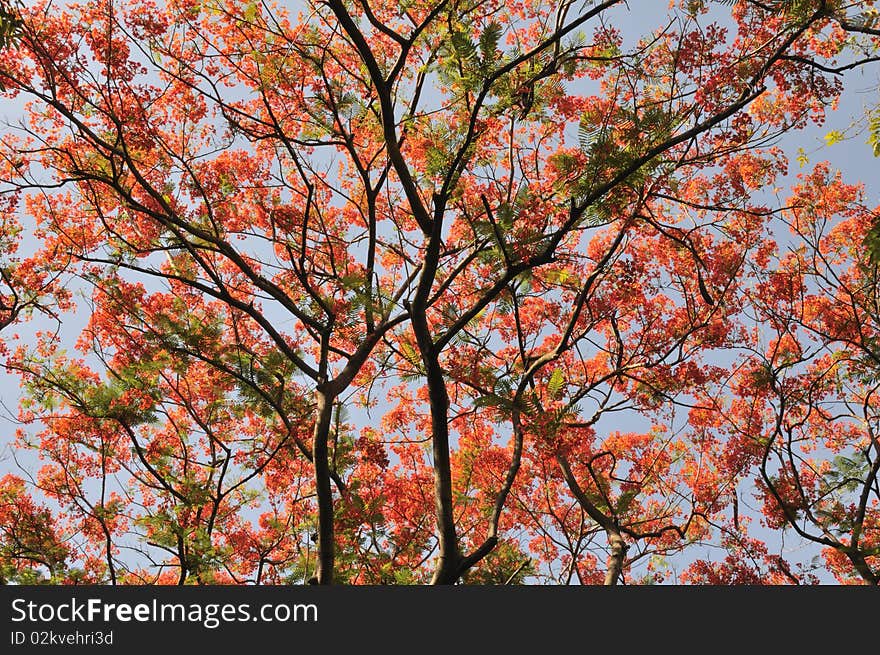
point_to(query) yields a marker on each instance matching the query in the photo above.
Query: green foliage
(872, 243)
(505, 565)
(505, 229)
(108, 400)
(10, 25)
(833, 137)
(188, 330)
(30, 550)
(874, 131)
(60, 382)
(414, 359)
(202, 556)
(489, 53)
(398, 575)
(495, 400)
(846, 474)
(463, 46)
(250, 12)
(556, 382)
(762, 377)
(460, 58)
(613, 147)
(872, 238)
(439, 152)
(625, 500)
(263, 375)
(466, 63)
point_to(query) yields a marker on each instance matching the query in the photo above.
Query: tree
(498, 225)
(806, 407)
(30, 541)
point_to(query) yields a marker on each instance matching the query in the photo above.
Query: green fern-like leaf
(874, 131)
(489, 46)
(10, 25)
(589, 134)
(463, 46)
(556, 382)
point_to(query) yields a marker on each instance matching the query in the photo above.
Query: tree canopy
(447, 291)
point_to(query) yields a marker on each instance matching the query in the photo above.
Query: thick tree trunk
(448, 568)
(321, 465)
(448, 564)
(616, 558)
